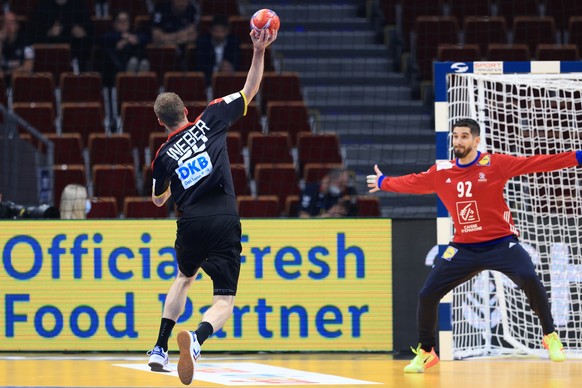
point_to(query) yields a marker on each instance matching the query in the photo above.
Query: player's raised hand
(263, 38)
(373, 180)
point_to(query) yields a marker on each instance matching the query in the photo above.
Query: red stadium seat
(155, 141)
(103, 207)
(368, 206)
(133, 7)
(219, 7)
(239, 26)
(84, 118)
(246, 55)
(249, 123)
(284, 86)
(533, 30)
(561, 10)
(484, 30)
(575, 30)
(163, 58)
(83, 87)
(130, 87)
(139, 121)
(463, 8)
(223, 84)
(65, 174)
(190, 86)
(259, 206)
(278, 179)
(37, 87)
(240, 179)
(52, 58)
(511, 8)
(40, 115)
(271, 147)
(234, 147)
(508, 52)
(143, 207)
(318, 148)
(114, 181)
(289, 116)
(291, 206)
(190, 55)
(313, 172)
(23, 7)
(68, 148)
(430, 31)
(110, 149)
(410, 10)
(557, 52)
(458, 53)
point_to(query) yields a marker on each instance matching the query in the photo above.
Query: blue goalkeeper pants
(461, 262)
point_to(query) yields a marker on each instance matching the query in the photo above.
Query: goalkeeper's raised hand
(373, 180)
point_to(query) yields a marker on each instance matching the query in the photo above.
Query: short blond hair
(73, 202)
(169, 109)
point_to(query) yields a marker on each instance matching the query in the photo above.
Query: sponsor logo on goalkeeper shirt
(468, 212)
(485, 161)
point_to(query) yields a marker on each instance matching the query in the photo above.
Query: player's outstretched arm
(260, 43)
(373, 180)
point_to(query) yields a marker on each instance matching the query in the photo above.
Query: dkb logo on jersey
(467, 212)
(194, 169)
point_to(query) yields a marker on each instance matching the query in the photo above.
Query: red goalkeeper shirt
(473, 193)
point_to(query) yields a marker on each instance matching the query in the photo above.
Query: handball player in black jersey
(192, 166)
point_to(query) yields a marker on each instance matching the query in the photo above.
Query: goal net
(522, 115)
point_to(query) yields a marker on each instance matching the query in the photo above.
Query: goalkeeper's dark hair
(469, 123)
(169, 108)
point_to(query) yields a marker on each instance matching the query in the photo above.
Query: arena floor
(258, 370)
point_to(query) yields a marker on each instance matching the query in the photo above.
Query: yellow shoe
(554, 346)
(422, 361)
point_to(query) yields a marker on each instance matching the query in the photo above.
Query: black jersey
(194, 161)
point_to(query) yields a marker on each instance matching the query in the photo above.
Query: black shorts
(213, 244)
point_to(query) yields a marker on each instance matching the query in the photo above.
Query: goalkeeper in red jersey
(471, 188)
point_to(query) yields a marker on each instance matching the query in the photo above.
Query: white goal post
(524, 108)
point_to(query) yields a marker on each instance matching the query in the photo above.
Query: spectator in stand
(333, 196)
(218, 50)
(174, 22)
(124, 48)
(64, 21)
(15, 55)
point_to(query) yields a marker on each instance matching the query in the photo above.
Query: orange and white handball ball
(265, 19)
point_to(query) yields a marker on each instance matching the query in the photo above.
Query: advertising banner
(305, 285)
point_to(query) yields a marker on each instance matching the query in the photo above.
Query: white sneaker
(189, 353)
(159, 360)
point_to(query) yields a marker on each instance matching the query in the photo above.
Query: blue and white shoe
(189, 353)
(159, 360)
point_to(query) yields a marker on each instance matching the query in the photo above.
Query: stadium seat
(511, 8)
(65, 174)
(368, 206)
(224, 84)
(156, 139)
(147, 180)
(142, 87)
(258, 207)
(557, 52)
(190, 86)
(190, 56)
(234, 147)
(204, 24)
(459, 53)
(278, 179)
(246, 55)
(23, 7)
(508, 52)
(68, 148)
(83, 118)
(249, 123)
(239, 26)
(103, 207)
(143, 207)
(101, 24)
(195, 109)
(114, 181)
(36, 87)
(219, 7)
(313, 172)
(271, 147)
(240, 179)
(410, 10)
(289, 116)
(52, 58)
(317, 148)
(110, 149)
(163, 58)
(484, 30)
(133, 7)
(40, 115)
(533, 30)
(291, 206)
(430, 31)
(284, 86)
(142, 24)
(139, 121)
(575, 30)
(3, 95)
(463, 8)
(82, 87)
